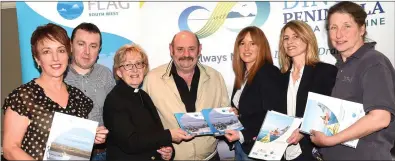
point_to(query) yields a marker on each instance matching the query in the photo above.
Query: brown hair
(264, 55)
(52, 32)
(356, 11)
(120, 57)
(306, 34)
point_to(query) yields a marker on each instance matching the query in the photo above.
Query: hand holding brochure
(209, 121)
(330, 115)
(71, 138)
(271, 142)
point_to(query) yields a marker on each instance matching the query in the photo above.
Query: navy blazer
(263, 94)
(319, 79)
(135, 129)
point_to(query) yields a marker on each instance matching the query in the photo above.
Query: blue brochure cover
(221, 119)
(193, 123)
(213, 121)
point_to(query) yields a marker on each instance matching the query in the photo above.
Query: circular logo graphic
(70, 10)
(237, 14)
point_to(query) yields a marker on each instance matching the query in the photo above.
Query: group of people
(135, 107)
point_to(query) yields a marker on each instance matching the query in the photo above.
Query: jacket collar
(169, 81)
(204, 76)
(358, 54)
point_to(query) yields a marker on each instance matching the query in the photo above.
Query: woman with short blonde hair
(131, 116)
(120, 56)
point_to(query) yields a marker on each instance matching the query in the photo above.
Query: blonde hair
(306, 34)
(264, 55)
(120, 57)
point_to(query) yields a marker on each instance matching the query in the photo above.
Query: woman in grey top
(365, 76)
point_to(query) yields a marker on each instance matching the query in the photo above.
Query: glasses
(138, 65)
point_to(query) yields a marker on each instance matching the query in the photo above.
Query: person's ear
(37, 61)
(119, 73)
(200, 49)
(363, 30)
(171, 50)
(71, 46)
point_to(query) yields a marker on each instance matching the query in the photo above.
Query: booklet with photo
(330, 115)
(71, 138)
(213, 121)
(271, 141)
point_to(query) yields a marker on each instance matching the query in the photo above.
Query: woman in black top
(256, 89)
(303, 72)
(136, 131)
(30, 108)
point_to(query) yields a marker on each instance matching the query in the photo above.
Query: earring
(38, 66)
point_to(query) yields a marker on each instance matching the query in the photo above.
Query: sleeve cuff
(241, 140)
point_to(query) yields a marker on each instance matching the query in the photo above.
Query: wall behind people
(152, 25)
(10, 58)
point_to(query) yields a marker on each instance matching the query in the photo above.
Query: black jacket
(256, 99)
(319, 79)
(135, 129)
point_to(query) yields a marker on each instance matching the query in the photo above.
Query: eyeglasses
(138, 65)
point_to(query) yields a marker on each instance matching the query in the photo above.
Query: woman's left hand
(320, 139)
(165, 152)
(101, 134)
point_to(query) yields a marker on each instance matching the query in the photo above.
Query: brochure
(271, 142)
(213, 121)
(71, 138)
(330, 115)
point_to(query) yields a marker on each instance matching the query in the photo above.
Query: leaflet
(271, 142)
(71, 138)
(330, 115)
(212, 121)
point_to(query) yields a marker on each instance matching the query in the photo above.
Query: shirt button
(152, 158)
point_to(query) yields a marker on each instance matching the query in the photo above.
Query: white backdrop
(153, 24)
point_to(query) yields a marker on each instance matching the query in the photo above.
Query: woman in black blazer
(303, 73)
(135, 129)
(256, 89)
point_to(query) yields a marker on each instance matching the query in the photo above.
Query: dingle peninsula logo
(70, 10)
(232, 15)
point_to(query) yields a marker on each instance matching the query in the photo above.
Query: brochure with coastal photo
(71, 138)
(221, 119)
(213, 121)
(271, 141)
(330, 115)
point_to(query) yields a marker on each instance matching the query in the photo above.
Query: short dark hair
(90, 27)
(355, 10)
(52, 32)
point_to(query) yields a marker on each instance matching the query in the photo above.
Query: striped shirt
(95, 84)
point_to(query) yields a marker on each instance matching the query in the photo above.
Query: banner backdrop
(153, 25)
